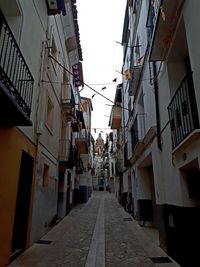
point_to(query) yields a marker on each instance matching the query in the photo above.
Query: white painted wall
(166, 166)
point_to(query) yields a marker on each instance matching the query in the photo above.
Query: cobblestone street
(98, 233)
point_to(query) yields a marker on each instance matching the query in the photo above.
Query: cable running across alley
(81, 81)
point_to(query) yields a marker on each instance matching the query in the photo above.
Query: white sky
(100, 26)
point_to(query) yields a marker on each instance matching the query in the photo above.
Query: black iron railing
(156, 8)
(14, 72)
(182, 111)
(152, 16)
(138, 129)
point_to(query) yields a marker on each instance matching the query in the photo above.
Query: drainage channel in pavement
(160, 259)
(127, 219)
(44, 242)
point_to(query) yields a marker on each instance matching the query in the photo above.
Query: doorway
(69, 185)
(22, 205)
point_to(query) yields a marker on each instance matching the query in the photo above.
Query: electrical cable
(81, 81)
(87, 84)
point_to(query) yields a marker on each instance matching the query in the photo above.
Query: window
(49, 118)
(45, 178)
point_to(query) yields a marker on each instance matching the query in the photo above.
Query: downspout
(156, 88)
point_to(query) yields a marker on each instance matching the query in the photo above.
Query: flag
(162, 13)
(127, 75)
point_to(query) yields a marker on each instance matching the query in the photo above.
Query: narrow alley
(98, 233)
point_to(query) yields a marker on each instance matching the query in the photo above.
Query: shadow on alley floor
(96, 234)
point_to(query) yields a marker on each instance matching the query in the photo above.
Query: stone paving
(122, 246)
(96, 234)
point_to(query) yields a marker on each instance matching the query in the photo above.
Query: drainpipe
(155, 83)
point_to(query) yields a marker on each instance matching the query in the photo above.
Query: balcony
(182, 111)
(68, 102)
(78, 123)
(138, 133)
(67, 153)
(135, 77)
(81, 141)
(166, 14)
(116, 117)
(16, 81)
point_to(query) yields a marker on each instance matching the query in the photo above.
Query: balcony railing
(82, 135)
(138, 130)
(116, 117)
(182, 111)
(81, 141)
(68, 102)
(15, 77)
(67, 153)
(156, 6)
(135, 77)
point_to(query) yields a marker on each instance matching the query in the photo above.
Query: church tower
(99, 145)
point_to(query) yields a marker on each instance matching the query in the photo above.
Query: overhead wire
(81, 80)
(87, 84)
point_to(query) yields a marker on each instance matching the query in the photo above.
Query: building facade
(160, 121)
(40, 160)
(85, 145)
